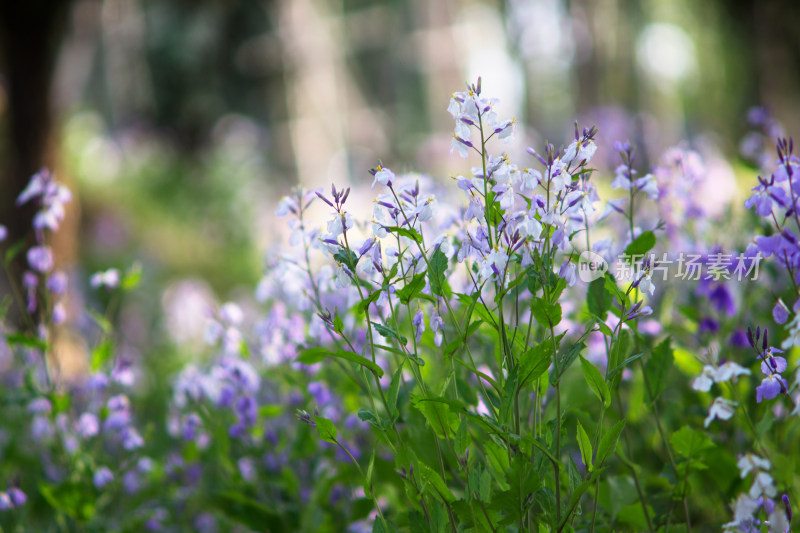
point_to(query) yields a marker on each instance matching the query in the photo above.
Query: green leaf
(315, 355)
(26, 341)
(326, 429)
(689, 443)
(462, 437)
(625, 363)
(435, 481)
(246, 511)
(364, 304)
(608, 442)
(101, 321)
(394, 389)
(657, 368)
(101, 354)
(641, 245)
(565, 361)
(312, 355)
(338, 324)
(547, 314)
(596, 382)
(355, 358)
(369, 475)
(585, 446)
(347, 258)
(390, 333)
(371, 418)
(132, 277)
(438, 266)
(412, 288)
(411, 233)
(534, 362)
(598, 299)
(70, 497)
(13, 251)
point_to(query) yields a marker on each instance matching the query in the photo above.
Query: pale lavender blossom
(102, 477)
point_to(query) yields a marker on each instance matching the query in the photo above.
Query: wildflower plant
(502, 350)
(469, 411)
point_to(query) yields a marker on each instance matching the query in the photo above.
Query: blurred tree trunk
(30, 34)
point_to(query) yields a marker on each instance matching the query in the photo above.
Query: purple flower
(5, 502)
(437, 327)
(87, 426)
(102, 477)
(3, 233)
(419, 324)
(780, 313)
(40, 258)
(708, 325)
(190, 425)
(131, 440)
(765, 196)
(17, 497)
(770, 387)
(773, 364)
(57, 283)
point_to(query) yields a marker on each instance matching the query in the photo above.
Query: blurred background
(180, 123)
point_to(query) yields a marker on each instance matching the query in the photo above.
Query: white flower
(497, 258)
(730, 370)
(341, 279)
(621, 181)
(383, 176)
(704, 381)
(794, 334)
(579, 151)
(778, 521)
(749, 462)
(762, 486)
(460, 147)
(722, 409)
(648, 185)
(108, 278)
(529, 227)
(530, 179)
(340, 223)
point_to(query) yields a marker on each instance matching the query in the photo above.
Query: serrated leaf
(585, 445)
(565, 361)
(688, 442)
(364, 304)
(347, 257)
(534, 362)
(326, 429)
(389, 333)
(462, 437)
(547, 314)
(596, 382)
(412, 288)
(432, 478)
